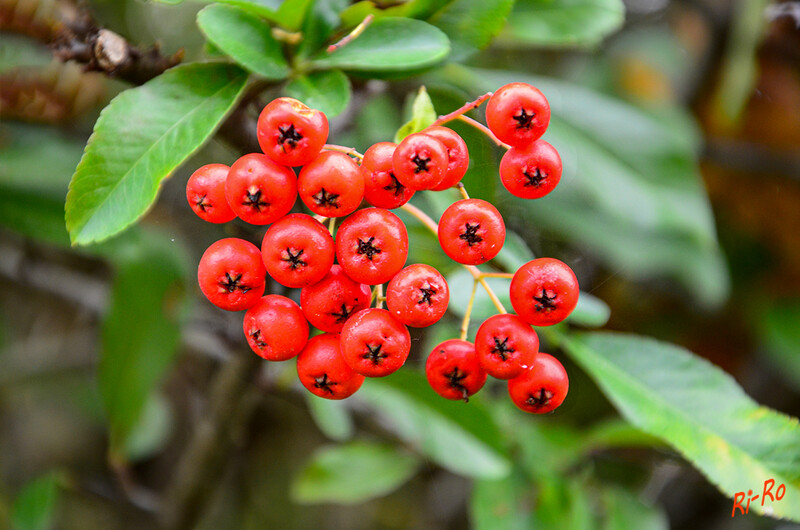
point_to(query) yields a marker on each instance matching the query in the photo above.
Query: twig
(343, 149)
(466, 107)
(485, 130)
(468, 312)
(358, 30)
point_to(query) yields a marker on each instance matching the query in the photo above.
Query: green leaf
(17, 51)
(563, 504)
(245, 38)
(328, 91)
(563, 22)
(514, 254)
(422, 115)
(151, 432)
(591, 312)
(390, 45)
(421, 9)
(780, 335)
(141, 331)
(263, 8)
(699, 410)
(462, 438)
(332, 417)
(292, 13)
(471, 24)
(499, 504)
(36, 504)
(353, 473)
(139, 139)
(322, 20)
(624, 510)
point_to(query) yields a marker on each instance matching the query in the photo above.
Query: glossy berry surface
(322, 370)
(205, 191)
(328, 303)
(260, 191)
(531, 172)
(518, 114)
(471, 231)
(297, 250)
(420, 162)
(506, 346)
(372, 245)
(418, 295)
(231, 274)
(374, 344)
(291, 133)
(381, 187)
(542, 388)
(275, 328)
(544, 291)
(331, 185)
(453, 370)
(457, 155)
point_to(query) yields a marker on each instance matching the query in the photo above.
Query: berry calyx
(518, 114)
(531, 172)
(453, 370)
(544, 291)
(328, 303)
(382, 188)
(322, 370)
(205, 191)
(231, 274)
(275, 328)
(291, 133)
(331, 185)
(506, 346)
(260, 191)
(420, 162)
(540, 388)
(374, 344)
(372, 245)
(471, 231)
(297, 250)
(418, 296)
(457, 155)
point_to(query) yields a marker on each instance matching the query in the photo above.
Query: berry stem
(497, 275)
(485, 130)
(473, 270)
(331, 225)
(379, 298)
(358, 30)
(466, 107)
(468, 312)
(463, 190)
(343, 149)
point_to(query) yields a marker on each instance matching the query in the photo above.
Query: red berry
(418, 296)
(471, 231)
(457, 155)
(331, 185)
(531, 172)
(374, 344)
(453, 370)
(297, 250)
(322, 370)
(330, 302)
(290, 133)
(276, 328)
(205, 192)
(506, 346)
(231, 274)
(259, 190)
(420, 162)
(544, 291)
(518, 114)
(382, 187)
(542, 387)
(372, 245)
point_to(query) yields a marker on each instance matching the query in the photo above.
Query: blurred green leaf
(141, 330)
(616, 433)
(563, 22)
(780, 334)
(245, 38)
(412, 9)
(263, 8)
(498, 504)
(152, 431)
(563, 504)
(462, 438)
(624, 510)
(514, 254)
(422, 115)
(390, 44)
(292, 13)
(328, 91)
(32, 215)
(322, 20)
(591, 312)
(36, 504)
(17, 51)
(471, 24)
(353, 473)
(668, 392)
(331, 416)
(139, 139)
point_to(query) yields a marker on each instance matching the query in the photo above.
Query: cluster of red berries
(371, 248)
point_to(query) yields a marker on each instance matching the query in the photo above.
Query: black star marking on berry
(232, 284)
(524, 120)
(421, 163)
(202, 203)
(324, 383)
(395, 187)
(375, 354)
(454, 377)
(539, 399)
(501, 348)
(366, 247)
(288, 135)
(545, 302)
(427, 292)
(294, 259)
(470, 234)
(343, 314)
(254, 199)
(326, 198)
(534, 178)
(258, 339)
